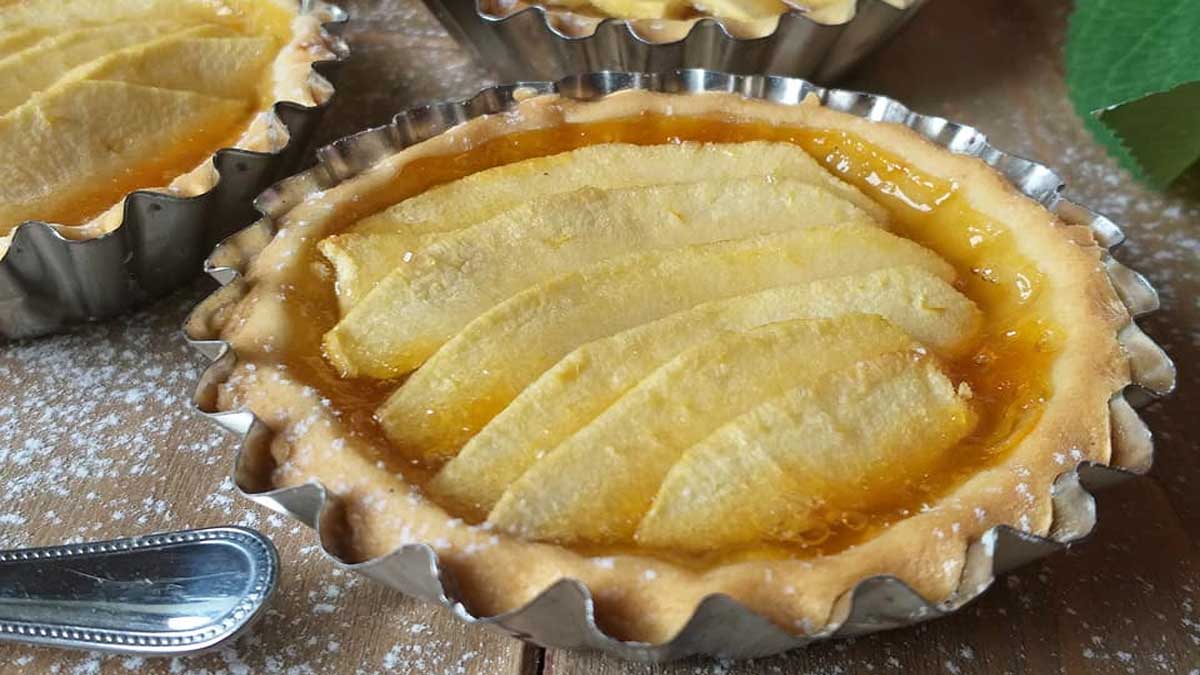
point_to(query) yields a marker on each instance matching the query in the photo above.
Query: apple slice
(769, 474)
(14, 40)
(70, 147)
(52, 15)
(360, 260)
(477, 374)
(488, 193)
(590, 379)
(473, 267)
(427, 300)
(37, 68)
(224, 67)
(566, 230)
(596, 485)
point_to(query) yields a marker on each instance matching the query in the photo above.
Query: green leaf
(1161, 131)
(1119, 52)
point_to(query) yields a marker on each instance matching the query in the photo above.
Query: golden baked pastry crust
(290, 79)
(275, 316)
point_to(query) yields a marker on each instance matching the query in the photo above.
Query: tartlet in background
(133, 136)
(538, 41)
(407, 541)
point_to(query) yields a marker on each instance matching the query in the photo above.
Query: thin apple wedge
(360, 260)
(472, 268)
(596, 485)
(69, 145)
(223, 67)
(432, 293)
(588, 380)
(769, 474)
(52, 15)
(479, 372)
(24, 74)
(488, 193)
(15, 40)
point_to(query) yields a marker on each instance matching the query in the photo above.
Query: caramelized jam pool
(1008, 371)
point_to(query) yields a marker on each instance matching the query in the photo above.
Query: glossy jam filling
(1008, 371)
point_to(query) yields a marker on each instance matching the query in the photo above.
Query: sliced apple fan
(687, 346)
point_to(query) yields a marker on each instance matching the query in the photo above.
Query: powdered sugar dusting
(108, 401)
(100, 441)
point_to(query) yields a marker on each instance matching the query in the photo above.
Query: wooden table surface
(97, 439)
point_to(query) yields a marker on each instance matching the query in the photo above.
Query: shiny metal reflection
(158, 595)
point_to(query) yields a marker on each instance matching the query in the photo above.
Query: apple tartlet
(673, 346)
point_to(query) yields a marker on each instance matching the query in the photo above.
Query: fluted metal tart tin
(564, 615)
(49, 282)
(529, 44)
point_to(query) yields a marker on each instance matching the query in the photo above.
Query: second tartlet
(135, 135)
(820, 40)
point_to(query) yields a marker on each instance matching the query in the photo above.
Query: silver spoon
(157, 595)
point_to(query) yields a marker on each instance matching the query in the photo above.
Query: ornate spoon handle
(162, 594)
